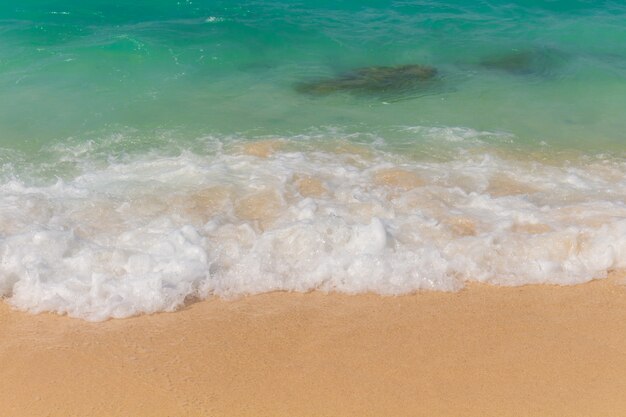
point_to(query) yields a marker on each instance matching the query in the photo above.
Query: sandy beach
(267, 208)
(484, 351)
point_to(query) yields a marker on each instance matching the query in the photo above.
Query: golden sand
(262, 206)
(263, 148)
(404, 180)
(502, 185)
(461, 226)
(310, 186)
(201, 205)
(484, 351)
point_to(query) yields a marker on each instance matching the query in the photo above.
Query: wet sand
(484, 351)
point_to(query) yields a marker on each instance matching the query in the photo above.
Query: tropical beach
(312, 208)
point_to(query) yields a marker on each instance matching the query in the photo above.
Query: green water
(88, 69)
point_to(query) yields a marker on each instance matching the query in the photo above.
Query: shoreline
(483, 351)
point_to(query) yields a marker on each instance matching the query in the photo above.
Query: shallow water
(154, 151)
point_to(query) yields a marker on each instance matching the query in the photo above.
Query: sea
(158, 152)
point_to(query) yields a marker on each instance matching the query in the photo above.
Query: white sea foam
(145, 234)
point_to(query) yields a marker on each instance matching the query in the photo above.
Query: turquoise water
(154, 150)
(86, 69)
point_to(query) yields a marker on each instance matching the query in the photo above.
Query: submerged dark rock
(526, 62)
(373, 80)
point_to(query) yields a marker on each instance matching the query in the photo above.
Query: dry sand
(484, 351)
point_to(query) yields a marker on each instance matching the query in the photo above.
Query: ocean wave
(148, 232)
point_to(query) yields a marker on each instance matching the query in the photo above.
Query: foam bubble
(145, 234)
